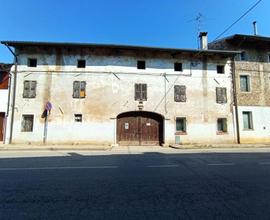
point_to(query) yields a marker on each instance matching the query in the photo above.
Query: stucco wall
(3, 100)
(108, 95)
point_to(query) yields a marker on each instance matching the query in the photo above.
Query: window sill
(251, 129)
(180, 133)
(222, 133)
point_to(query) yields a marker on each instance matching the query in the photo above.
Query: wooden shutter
(179, 93)
(221, 95)
(32, 92)
(76, 89)
(82, 89)
(26, 89)
(144, 91)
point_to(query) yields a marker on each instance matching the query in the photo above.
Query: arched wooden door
(139, 128)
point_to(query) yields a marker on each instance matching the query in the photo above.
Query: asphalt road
(136, 186)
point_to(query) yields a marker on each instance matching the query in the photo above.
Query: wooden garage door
(139, 129)
(2, 117)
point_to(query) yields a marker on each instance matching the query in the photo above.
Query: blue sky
(162, 23)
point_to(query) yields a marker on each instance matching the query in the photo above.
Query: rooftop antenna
(198, 20)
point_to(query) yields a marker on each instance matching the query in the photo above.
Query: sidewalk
(52, 147)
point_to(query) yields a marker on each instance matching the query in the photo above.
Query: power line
(238, 19)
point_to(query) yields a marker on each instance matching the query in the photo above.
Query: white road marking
(164, 165)
(220, 164)
(56, 168)
(264, 163)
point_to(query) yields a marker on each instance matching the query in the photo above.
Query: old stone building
(252, 82)
(113, 94)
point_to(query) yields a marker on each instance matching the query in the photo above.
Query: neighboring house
(127, 95)
(252, 68)
(4, 81)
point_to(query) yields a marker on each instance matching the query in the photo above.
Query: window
(220, 69)
(32, 62)
(79, 89)
(141, 92)
(78, 117)
(268, 58)
(29, 89)
(81, 63)
(222, 125)
(179, 93)
(247, 121)
(27, 123)
(178, 67)
(221, 95)
(140, 64)
(181, 125)
(245, 83)
(243, 56)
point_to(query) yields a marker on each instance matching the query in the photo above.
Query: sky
(159, 23)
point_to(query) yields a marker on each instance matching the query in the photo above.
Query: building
(4, 82)
(252, 70)
(115, 94)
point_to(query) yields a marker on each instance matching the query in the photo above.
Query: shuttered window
(221, 95)
(141, 92)
(222, 125)
(79, 89)
(247, 121)
(27, 123)
(179, 93)
(180, 125)
(245, 83)
(29, 89)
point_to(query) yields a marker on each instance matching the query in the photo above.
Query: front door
(2, 119)
(139, 128)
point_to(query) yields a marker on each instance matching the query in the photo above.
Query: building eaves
(17, 44)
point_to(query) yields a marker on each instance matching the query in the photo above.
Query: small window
(79, 89)
(29, 89)
(220, 69)
(181, 125)
(222, 125)
(245, 83)
(221, 95)
(141, 92)
(178, 67)
(81, 63)
(27, 123)
(141, 64)
(32, 62)
(78, 117)
(179, 93)
(247, 121)
(243, 56)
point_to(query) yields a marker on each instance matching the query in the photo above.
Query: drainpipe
(8, 102)
(14, 93)
(235, 101)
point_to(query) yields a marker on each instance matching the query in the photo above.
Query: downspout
(235, 101)
(14, 93)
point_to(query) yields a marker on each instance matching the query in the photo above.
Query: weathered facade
(4, 81)
(252, 68)
(127, 95)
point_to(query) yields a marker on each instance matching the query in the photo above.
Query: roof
(17, 44)
(246, 38)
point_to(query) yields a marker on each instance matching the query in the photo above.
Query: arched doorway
(140, 128)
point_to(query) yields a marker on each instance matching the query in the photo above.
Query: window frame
(222, 68)
(81, 90)
(27, 95)
(141, 64)
(142, 94)
(250, 121)
(178, 67)
(29, 62)
(23, 129)
(248, 83)
(78, 118)
(224, 129)
(81, 61)
(184, 130)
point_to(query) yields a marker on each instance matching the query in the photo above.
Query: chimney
(255, 27)
(203, 41)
